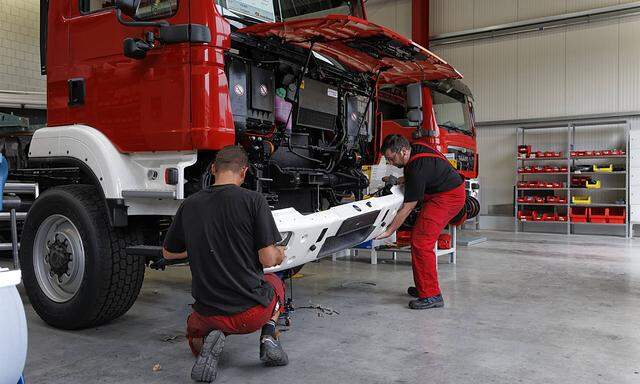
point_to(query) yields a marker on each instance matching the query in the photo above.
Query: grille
(315, 119)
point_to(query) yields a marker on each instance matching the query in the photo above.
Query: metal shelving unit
(570, 162)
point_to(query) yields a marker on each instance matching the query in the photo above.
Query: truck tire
(74, 265)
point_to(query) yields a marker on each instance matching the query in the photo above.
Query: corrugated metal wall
(395, 15)
(578, 70)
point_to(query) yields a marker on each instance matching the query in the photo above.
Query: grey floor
(519, 309)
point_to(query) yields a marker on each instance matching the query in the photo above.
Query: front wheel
(75, 268)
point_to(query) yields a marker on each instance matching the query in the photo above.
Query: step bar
(11, 202)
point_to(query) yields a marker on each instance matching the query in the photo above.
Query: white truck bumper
(322, 234)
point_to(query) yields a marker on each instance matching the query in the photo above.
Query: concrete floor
(519, 309)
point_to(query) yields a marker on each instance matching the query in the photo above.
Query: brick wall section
(20, 46)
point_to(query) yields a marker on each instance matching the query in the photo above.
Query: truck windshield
(283, 10)
(297, 9)
(451, 113)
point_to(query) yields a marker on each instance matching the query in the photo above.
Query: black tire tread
(118, 292)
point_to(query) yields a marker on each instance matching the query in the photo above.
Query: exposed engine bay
(305, 121)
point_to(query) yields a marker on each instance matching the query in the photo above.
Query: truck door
(140, 105)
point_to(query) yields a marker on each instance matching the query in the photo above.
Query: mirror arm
(157, 24)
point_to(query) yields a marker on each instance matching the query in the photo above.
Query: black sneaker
(412, 291)
(206, 367)
(427, 302)
(271, 352)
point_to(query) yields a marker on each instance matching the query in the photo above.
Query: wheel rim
(58, 258)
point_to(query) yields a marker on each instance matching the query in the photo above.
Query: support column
(420, 22)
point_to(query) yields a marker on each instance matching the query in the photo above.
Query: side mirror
(128, 7)
(414, 96)
(415, 116)
(414, 103)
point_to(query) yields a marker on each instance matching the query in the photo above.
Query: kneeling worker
(229, 235)
(428, 176)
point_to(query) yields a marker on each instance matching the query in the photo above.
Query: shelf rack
(570, 161)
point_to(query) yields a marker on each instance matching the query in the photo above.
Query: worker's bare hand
(281, 249)
(394, 180)
(384, 235)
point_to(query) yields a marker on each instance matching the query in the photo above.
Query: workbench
(394, 250)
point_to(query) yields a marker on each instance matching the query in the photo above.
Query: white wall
(20, 46)
(578, 70)
(394, 14)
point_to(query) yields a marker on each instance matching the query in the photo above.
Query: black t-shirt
(427, 175)
(222, 229)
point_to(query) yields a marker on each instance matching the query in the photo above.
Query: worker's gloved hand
(158, 264)
(390, 181)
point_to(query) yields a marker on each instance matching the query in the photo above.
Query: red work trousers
(437, 211)
(249, 321)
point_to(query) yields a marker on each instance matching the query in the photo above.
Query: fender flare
(113, 171)
(116, 208)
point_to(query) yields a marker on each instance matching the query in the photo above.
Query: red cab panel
(176, 98)
(351, 41)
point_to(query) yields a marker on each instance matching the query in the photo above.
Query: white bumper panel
(344, 226)
(118, 172)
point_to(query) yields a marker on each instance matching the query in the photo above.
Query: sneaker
(412, 291)
(427, 302)
(206, 367)
(271, 352)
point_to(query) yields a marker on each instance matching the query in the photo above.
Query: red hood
(361, 46)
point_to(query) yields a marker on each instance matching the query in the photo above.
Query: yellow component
(602, 168)
(581, 199)
(594, 185)
(454, 163)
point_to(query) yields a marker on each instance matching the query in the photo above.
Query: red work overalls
(438, 209)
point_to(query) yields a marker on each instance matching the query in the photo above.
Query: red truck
(142, 93)
(449, 126)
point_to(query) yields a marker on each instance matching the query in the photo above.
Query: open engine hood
(361, 46)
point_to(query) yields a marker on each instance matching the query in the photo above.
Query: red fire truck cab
(142, 93)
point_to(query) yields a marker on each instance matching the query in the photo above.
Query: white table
(373, 252)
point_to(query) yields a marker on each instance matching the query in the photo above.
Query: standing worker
(229, 235)
(428, 176)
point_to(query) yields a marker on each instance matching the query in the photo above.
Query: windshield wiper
(455, 128)
(240, 20)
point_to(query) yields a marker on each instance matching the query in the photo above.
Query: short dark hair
(231, 158)
(394, 143)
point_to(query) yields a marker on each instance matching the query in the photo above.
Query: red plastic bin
(617, 215)
(525, 215)
(444, 241)
(579, 214)
(598, 215)
(524, 149)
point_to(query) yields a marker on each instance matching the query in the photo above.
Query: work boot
(427, 302)
(412, 291)
(271, 352)
(206, 367)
